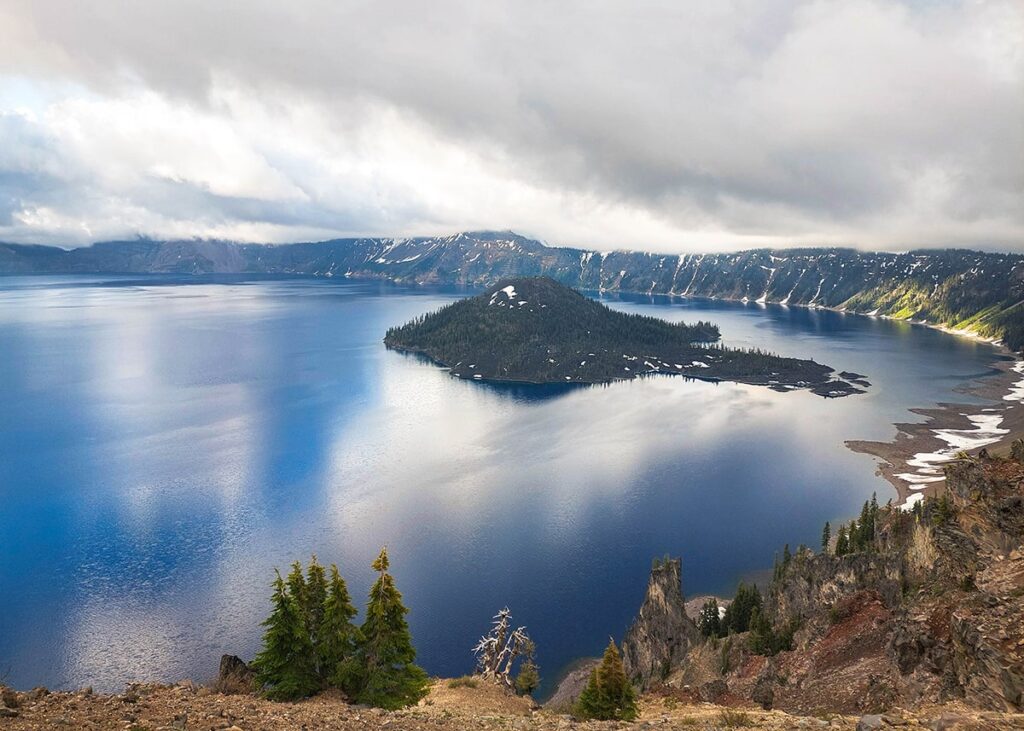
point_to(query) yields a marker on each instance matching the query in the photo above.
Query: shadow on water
(521, 392)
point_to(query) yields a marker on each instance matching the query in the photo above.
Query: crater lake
(167, 441)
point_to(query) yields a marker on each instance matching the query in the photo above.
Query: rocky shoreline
(912, 462)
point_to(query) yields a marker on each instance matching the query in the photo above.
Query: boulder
(9, 697)
(234, 676)
(871, 722)
(764, 691)
(711, 692)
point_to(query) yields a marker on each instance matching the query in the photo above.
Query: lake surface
(165, 442)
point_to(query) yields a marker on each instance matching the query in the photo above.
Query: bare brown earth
(145, 707)
(915, 437)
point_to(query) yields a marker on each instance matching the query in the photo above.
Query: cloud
(660, 125)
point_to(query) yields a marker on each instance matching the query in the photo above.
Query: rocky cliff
(661, 634)
(931, 611)
(979, 292)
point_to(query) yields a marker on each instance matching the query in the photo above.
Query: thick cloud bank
(670, 126)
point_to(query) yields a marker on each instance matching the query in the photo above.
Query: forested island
(535, 330)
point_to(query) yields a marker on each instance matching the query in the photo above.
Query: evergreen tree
(867, 527)
(528, 677)
(842, 542)
(296, 584)
(609, 695)
(390, 679)
(942, 509)
(826, 537)
(286, 666)
(710, 621)
(315, 603)
(786, 556)
(761, 636)
(591, 703)
(339, 638)
(737, 614)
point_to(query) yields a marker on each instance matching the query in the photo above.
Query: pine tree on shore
(339, 638)
(608, 695)
(826, 537)
(315, 603)
(296, 585)
(286, 666)
(389, 679)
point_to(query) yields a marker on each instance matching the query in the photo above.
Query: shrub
(466, 681)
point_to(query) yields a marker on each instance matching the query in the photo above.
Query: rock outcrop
(931, 611)
(661, 634)
(234, 676)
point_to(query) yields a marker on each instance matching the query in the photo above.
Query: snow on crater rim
(509, 293)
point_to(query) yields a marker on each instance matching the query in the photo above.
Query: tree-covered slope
(537, 330)
(982, 293)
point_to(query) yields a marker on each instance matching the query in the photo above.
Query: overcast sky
(669, 126)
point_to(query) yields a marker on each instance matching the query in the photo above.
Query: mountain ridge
(968, 291)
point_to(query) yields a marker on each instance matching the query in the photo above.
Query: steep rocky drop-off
(661, 634)
(932, 611)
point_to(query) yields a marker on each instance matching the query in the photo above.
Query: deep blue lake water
(165, 442)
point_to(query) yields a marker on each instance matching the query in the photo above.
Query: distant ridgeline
(959, 289)
(535, 330)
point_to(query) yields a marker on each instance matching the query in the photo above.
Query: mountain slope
(982, 293)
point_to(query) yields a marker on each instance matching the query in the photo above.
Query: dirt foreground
(146, 707)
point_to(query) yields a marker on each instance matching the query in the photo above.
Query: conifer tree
(286, 666)
(761, 639)
(942, 509)
(842, 542)
(591, 703)
(710, 621)
(296, 584)
(390, 679)
(339, 638)
(867, 527)
(609, 695)
(316, 600)
(528, 677)
(737, 614)
(826, 537)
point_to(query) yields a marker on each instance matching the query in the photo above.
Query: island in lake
(535, 330)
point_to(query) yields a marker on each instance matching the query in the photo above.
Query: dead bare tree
(498, 649)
